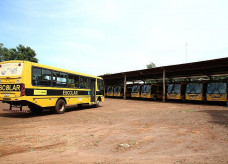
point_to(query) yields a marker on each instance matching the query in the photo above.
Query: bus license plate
(6, 94)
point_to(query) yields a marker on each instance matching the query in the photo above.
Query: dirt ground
(121, 131)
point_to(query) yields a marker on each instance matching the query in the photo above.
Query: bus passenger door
(93, 90)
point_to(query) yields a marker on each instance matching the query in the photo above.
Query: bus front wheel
(97, 103)
(60, 106)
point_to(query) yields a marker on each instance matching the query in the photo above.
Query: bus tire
(155, 98)
(60, 106)
(97, 103)
(35, 109)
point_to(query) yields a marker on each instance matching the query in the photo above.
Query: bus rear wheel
(60, 106)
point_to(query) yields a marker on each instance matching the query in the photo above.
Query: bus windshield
(194, 88)
(117, 89)
(174, 88)
(146, 89)
(110, 89)
(216, 88)
(11, 69)
(135, 88)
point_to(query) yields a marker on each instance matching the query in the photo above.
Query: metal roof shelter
(201, 68)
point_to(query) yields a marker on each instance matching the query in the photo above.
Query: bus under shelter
(207, 68)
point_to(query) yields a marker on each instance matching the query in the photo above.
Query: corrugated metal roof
(201, 68)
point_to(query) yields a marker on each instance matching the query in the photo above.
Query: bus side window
(76, 80)
(82, 82)
(73, 81)
(59, 79)
(46, 77)
(36, 76)
(87, 83)
(41, 77)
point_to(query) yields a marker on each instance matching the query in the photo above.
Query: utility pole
(125, 86)
(164, 82)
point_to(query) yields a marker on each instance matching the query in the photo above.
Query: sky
(111, 36)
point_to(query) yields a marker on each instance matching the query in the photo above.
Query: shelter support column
(125, 86)
(164, 85)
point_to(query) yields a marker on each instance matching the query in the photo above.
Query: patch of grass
(189, 110)
(132, 143)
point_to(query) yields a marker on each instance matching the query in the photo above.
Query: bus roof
(50, 67)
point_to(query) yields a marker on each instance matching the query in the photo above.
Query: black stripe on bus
(55, 92)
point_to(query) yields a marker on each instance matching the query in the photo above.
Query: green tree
(19, 53)
(151, 65)
(4, 53)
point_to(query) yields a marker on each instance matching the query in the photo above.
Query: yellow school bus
(110, 92)
(24, 83)
(118, 91)
(196, 91)
(136, 90)
(176, 91)
(152, 91)
(217, 91)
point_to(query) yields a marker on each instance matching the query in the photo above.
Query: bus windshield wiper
(218, 90)
(191, 90)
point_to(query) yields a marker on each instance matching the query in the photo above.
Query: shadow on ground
(218, 116)
(46, 112)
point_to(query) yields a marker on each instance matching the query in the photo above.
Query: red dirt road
(130, 131)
